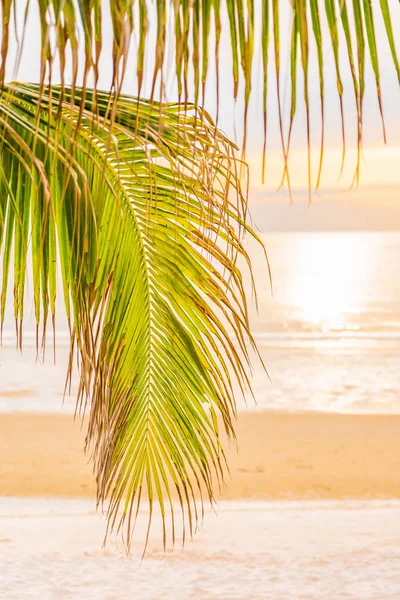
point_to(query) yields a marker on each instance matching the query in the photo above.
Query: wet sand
(281, 456)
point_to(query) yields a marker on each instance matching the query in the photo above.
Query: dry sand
(310, 455)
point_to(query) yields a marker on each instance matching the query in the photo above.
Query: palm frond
(146, 222)
(177, 51)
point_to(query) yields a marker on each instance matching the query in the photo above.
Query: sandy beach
(281, 456)
(51, 549)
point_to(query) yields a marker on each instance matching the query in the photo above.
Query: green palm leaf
(185, 29)
(146, 222)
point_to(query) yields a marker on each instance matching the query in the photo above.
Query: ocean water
(51, 549)
(328, 331)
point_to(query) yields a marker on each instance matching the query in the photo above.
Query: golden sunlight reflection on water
(335, 283)
(329, 335)
(332, 281)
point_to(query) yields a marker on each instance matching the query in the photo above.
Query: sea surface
(52, 550)
(328, 331)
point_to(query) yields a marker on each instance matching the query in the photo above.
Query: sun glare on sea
(329, 280)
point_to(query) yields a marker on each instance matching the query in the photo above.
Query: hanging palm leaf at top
(141, 205)
(175, 40)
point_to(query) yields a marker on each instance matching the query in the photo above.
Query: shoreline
(282, 456)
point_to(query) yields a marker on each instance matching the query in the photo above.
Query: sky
(374, 204)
